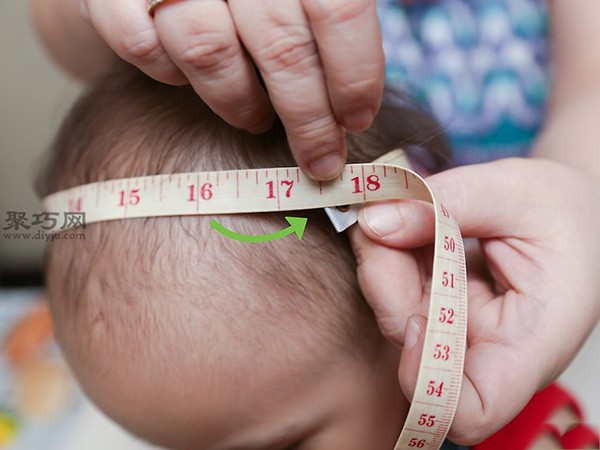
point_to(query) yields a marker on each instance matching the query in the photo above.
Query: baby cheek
(357, 434)
(115, 387)
(138, 407)
(370, 415)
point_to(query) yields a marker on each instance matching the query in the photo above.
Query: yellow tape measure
(286, 189)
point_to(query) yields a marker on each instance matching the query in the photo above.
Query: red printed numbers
(442, 352)
(446, 315)
(130, 197)
(448, 280)
(426, 420)
(205, 192)
(373, 184)
(449, 244)
(75, 204)
(445, 212)
(286, 184)
(417, 443)
(435, 389)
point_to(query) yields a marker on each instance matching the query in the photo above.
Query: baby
(194, 341)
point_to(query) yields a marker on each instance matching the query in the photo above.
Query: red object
(27, 338)
(580, 436)
(532, 422)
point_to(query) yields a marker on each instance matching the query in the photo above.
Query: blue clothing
(480, 66)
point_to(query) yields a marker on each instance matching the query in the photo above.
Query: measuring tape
(286, 189)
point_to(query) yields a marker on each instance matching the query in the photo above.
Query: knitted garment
(480, 66)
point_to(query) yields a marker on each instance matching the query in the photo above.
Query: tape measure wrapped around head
(287, 189)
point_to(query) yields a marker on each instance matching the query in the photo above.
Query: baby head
(191, 340)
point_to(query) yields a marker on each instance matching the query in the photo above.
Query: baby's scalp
(146, 310)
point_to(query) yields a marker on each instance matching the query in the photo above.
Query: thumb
(497, 383)
(391, 281)
(408, 370)
(486, 200)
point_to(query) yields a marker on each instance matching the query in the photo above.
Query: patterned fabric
(480, 66)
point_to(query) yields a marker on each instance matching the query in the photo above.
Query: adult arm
(321, 61)
(572, 135)
(71, 41)
(536, 297)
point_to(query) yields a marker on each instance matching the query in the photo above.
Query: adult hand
(531, 305)
(321, 61)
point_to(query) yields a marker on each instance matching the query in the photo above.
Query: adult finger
(201, 39)
(129, 30)
(490, 396)
(391, 281)
(487, 200)
(505, 362)
(278, 37)
(499, 379)
(349, 41)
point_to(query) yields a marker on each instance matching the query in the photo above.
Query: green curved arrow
(297, 225)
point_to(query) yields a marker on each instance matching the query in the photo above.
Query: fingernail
(382, 219)
(327, 167)
(358, 120)
(412, 334)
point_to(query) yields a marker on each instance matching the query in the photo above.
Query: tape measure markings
(268, 190)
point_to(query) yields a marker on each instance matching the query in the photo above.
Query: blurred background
(34, 96)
